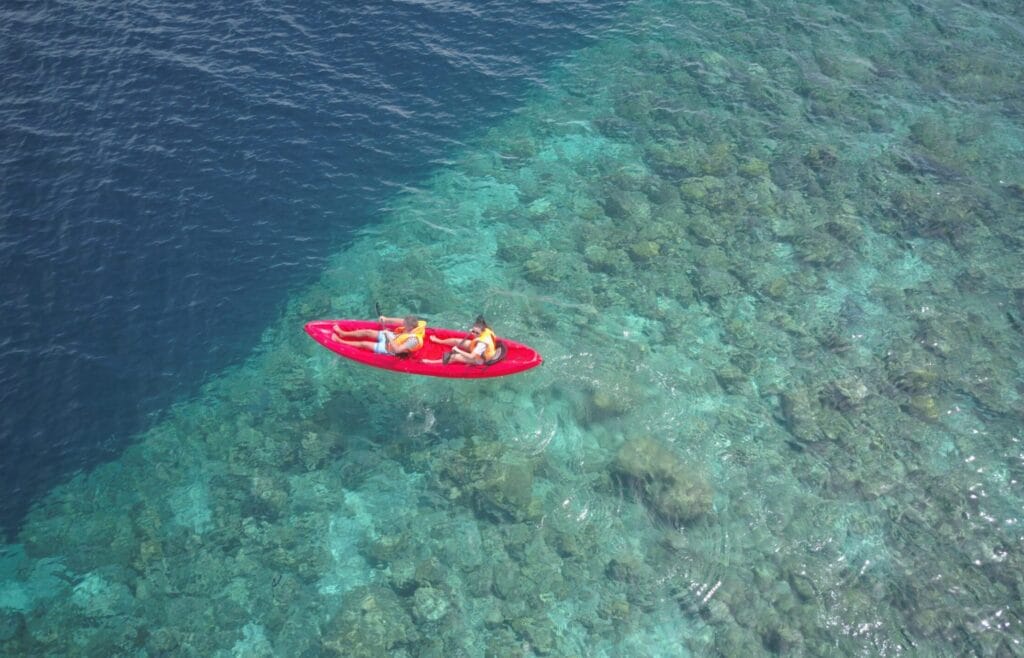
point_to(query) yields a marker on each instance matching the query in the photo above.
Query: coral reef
(780, 304)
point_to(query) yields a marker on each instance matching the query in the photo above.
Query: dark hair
(480, 322)
(410, 320)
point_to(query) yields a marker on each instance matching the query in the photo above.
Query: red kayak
(516, 357)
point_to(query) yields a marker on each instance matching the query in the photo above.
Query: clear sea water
(770, 252)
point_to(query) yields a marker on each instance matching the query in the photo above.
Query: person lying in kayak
(478, 349)
(386, 341)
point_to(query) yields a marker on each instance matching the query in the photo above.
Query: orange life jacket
(419, 333)
(488, 338)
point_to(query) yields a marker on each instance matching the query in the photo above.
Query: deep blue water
(171, 170)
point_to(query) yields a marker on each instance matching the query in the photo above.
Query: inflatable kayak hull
(518, 357)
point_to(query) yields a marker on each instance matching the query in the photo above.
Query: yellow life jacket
(488, 338)
(419, 333)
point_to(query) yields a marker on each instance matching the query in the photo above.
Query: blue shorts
(382, 342)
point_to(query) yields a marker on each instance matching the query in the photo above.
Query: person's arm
(476, 353)
(409, 344)
(386, 320)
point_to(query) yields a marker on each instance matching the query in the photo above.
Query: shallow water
(771, 255)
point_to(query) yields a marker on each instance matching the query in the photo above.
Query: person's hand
(382, 319)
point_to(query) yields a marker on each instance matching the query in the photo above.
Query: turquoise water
(771, 254)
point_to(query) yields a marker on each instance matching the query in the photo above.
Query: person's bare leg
(361, 344)
(468, 360)
(451, 342)
(448, 357)
(358, 334)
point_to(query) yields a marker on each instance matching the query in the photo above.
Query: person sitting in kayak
(385, 341)
(480, 348)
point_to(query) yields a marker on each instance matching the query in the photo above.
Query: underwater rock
(370, 624)
(287, 548)
(990, 388)
(614, 609)
(315, 449)
(819, 247)
(719, 160)
(537, 631)
(480, 580)
(673, 489)
(783, 640)
(430, 571)
(97, 538)
(402, 576)
(542, 569)
(922, 406)
(821, 157)
(754, 168)
(498, 482)
(271, 494)
(934, 134)
(714, 284)
(626, 568)
(569, 542)
(429, 604)
(540, 209)
(602, 259)
(163, 641)
(386, 547)
(846, 226)
(848, 393)
(738, 641)
(609, 402)
(507, 582)
(673, 158)
(98, 597)
(916, 378)
(645, 250)
(631, 207)
(911, 371)
(938, 337)
(149, 552)
(800, 413)
(731, 378)
(11, 624)
(702, 188)
(776, 288)
(548, 266)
